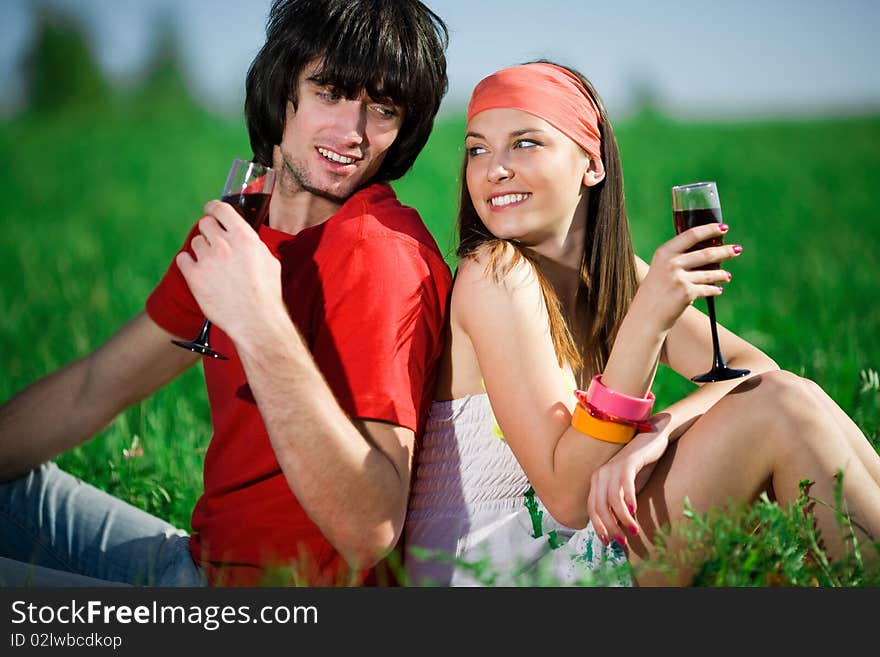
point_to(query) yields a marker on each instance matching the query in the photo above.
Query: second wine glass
(694, 205)
(248, 189)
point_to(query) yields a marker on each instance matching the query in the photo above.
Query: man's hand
(234, 277)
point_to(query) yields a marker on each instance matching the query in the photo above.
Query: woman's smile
(507, 200)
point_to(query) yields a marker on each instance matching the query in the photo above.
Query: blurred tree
(645, 98)
(163, 89)
(60, 70)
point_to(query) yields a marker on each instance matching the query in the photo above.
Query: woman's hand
(612, 502)
(674, 281)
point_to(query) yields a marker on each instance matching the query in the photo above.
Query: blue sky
(698, 58)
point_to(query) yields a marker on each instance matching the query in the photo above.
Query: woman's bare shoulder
(496, 264)
(496, 288)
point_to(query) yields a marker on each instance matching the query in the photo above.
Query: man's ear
(595, 173)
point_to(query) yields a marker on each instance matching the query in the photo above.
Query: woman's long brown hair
(608, 279)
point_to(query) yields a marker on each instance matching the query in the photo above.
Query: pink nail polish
(724, 228)
(737, 249)
(633, 530)
(621, 540)
(632, 509)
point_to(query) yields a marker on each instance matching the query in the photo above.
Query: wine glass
(248, 189)
(694, 205)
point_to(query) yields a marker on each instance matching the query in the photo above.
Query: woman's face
(525, 177)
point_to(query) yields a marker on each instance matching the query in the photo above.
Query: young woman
(515, 471)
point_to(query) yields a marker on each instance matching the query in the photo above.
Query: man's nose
(352, 121)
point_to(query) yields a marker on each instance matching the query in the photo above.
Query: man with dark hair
(332, 315)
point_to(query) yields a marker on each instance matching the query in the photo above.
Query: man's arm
(72, 404)
(351, 476)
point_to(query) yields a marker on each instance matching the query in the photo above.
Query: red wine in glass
(252, 206)
(248, 189)
(686, 219)
(694, 205)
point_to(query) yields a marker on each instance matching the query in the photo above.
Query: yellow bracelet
(610, 432)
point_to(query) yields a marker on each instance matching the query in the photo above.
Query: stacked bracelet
(602, 415)
(611, 416)
(618, 404)
(610, 432)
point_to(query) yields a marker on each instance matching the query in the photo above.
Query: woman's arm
(666, 290)
(507, 323)
(687, 349)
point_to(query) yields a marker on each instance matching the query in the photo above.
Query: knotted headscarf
(549, 92)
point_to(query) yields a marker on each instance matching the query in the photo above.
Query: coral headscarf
(549, 92)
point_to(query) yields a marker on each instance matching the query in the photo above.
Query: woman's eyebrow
(515, 133)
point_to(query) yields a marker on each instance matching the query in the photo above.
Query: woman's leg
(850, 429)
(767, 434)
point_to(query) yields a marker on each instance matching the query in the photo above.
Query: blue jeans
(56, 530)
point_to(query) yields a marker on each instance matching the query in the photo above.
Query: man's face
(333, 145)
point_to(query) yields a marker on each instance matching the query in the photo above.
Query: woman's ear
(595, 173)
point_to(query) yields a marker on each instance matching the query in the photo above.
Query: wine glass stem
(716, 348)
(203, 334)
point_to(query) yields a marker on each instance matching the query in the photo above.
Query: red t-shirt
(367, 290)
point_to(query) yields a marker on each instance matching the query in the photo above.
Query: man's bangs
(390, 50)
(351, 76)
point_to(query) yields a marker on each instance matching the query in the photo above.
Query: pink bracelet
(617, 404)
(640, 426)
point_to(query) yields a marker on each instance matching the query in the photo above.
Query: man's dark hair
(392, 49)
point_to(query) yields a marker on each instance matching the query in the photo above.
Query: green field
(96, 205)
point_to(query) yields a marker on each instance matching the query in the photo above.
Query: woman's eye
(329, 95)
(475, 150)
(525, 143)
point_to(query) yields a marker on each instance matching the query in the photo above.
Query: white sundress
(473, 519)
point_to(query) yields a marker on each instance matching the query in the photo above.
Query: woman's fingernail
(632, 509)
(724, 228)
(633, 530)
(729, 276)
(737, 249)
(621, 540)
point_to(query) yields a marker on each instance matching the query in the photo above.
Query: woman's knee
(816, 391)
(780, 397)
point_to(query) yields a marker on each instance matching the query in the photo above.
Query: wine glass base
(720, 374)
(200, 349)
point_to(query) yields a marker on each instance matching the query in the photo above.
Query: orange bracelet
(610, 432)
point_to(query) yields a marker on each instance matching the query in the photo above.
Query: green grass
(96, 205)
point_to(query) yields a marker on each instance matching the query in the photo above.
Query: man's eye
(386, 111)
(329, 95)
